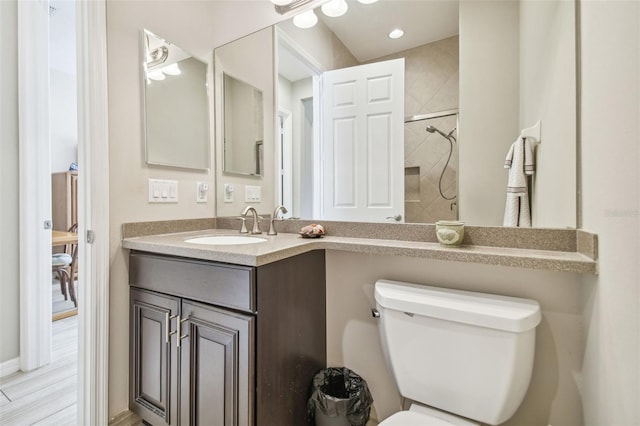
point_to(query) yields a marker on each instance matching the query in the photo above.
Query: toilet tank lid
(486, 310)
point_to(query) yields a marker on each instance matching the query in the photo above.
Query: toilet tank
(463, 352)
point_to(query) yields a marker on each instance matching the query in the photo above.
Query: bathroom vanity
(233, 334)
(225, 344)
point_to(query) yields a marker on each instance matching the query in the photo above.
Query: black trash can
(339, 398)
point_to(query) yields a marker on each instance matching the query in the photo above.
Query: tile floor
(46, 396)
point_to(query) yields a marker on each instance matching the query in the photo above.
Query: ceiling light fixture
(397, 33)
(156, 75)
(367, 1)
(285, 6)
(171, 69)
(335, 8)
(305, 20)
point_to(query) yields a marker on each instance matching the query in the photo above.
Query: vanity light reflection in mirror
(528, 74)
(176, 106)
(243, 128)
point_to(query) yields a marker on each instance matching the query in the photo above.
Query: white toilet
(461, 357)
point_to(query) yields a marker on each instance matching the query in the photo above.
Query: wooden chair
(65, 266)
(59, 263)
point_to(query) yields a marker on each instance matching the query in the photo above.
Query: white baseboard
(9, 367)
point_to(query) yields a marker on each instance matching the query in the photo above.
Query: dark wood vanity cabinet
(219, 344)
(153, 361)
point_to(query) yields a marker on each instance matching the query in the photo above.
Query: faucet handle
(272, 228)
(243, 228)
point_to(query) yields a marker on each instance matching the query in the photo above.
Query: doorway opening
(35, 205)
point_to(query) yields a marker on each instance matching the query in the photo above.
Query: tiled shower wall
(425, 159)
(431, 85)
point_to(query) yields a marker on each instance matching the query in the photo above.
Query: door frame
(34, 184)
(93, 212)
(93, 199)
(284, 131)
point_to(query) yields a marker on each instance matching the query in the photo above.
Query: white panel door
(363, 142)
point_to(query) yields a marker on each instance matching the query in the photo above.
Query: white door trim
(93, 211)
(35, 184)
(93, 200)
(285, 159)
(317, 145)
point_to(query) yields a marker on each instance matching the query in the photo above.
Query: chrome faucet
(256, 221)
(274, 217)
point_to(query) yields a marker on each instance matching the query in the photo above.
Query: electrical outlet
(228, 193)
(163, 191)
(202, 189)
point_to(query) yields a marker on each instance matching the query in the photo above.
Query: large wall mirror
(176, 105)
(473, 75)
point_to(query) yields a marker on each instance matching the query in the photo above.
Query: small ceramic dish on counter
(450, 232)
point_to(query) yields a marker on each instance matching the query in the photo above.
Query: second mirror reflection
(243, 128)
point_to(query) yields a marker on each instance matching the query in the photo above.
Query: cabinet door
(154, 360)
(217, 368)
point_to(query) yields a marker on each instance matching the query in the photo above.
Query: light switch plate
(163, 191)
(252, 194)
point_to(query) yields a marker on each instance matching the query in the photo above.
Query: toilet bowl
(464, 358)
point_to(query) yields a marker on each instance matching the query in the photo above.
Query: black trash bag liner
(339, 391)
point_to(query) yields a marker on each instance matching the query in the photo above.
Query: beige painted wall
(303, 156)
(488, 106)
(249, 59)
(610, 130)
(353, 340)
(320, 43)
(64, 123)
(548, 93)
(514, 72)
(9, 243)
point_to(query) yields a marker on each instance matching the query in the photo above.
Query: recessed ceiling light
(281, 2)
(305, 20)
(367, 1)
(397, 33)
(335, 8)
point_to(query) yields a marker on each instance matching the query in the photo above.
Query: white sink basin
(225, 240)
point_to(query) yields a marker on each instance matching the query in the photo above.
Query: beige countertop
(286, 245)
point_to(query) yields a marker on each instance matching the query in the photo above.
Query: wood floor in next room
(48, 395)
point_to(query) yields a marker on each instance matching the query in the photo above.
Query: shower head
(432, 129)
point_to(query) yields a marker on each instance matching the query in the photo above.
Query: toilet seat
(420, 415)
(411, 418)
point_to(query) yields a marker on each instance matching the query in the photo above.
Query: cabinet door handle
(167, 326)
(181, 336)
